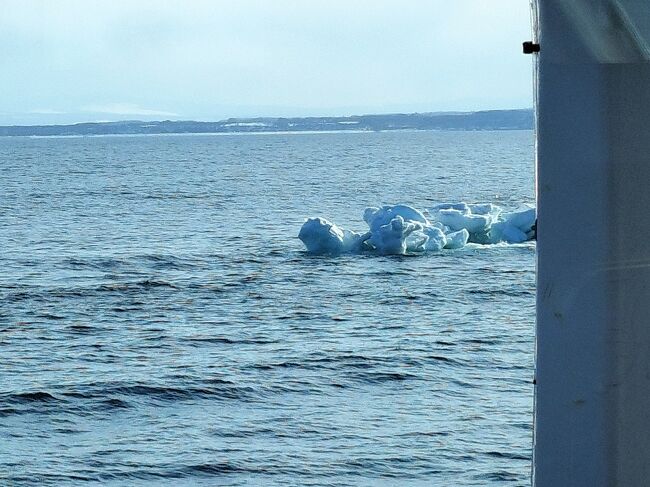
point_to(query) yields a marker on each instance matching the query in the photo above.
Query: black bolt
(530, 47)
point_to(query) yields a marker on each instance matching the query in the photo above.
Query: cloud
(126, 109)
(45, 111)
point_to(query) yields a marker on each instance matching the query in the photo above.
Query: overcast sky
(70, 61)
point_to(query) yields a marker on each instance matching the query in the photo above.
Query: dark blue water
(160, 323)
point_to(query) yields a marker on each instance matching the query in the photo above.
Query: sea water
(161, 323)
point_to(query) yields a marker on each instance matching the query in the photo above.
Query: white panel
(592, 419)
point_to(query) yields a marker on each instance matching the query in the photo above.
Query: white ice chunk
(515, 227)
(505, 232)
(445, 229)
(354, 242)
(401, 229)
(378, 217)
(436, 238)
(485, 209)
(451, 206)
(523, 219)
(457, 240)
(512, 234)
(390, 239)
(416, 242)
(457, 220)
(321, 236)
(369, 214)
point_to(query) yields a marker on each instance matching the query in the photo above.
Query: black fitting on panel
(530, 47)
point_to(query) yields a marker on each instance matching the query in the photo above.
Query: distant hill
(483, 120)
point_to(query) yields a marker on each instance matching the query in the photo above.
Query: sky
(69, 61)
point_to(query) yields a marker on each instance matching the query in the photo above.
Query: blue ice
(402, 229)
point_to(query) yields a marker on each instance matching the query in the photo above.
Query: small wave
(158, 392)
(47, 479)
(213, 469)
(209, 286)
(100, 263)
(509, 456)
(218, 381)
(28, 397)
(113, 403)
(43, 294)
(4, 412)
(440, 358)
(169, 262)
(81, 329)
(24, 295)
(247, 433)
(424, 433)
(335, 362)
(171, 394)
(499, 476)
(50, 316)
(177, 196)
(503, 292)
(379, 377)
(230, 341)
(91, 399)
(158, 472)
(69, 431)
(482, 341)
(136, 285)
(283, 365)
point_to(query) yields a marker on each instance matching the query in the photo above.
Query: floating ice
(378, 217)
(514, 227)
(436, 238)
(457, 240)
(458, 220)
(391, 238)
(321, 236)
(402, 229)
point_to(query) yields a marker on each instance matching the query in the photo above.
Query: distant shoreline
(234, 134)
(441, 121)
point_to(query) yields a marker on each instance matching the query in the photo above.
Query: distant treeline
(483, 120)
